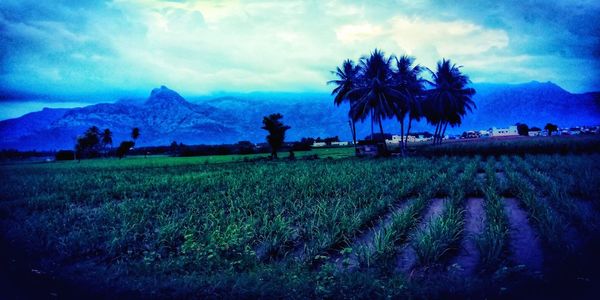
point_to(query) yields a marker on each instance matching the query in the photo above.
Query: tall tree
(550, 128)
(346, 82)
(135, 134)
(107, 138)
(88, 145)
(410, 86)
(449, 99)
(375, 94)
(276, 130)
(522, 129)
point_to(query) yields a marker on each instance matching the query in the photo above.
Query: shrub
(65, 155)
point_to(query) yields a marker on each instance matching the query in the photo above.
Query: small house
(575, 131)
(534, 132)
(510, 131)
(396, 139)
(418, 138)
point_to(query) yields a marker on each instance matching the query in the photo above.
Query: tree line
(94, 143)
(382, 87)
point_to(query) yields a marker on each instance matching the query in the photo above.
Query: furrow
(468, 257)
(524, 244)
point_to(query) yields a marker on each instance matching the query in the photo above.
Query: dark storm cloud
(565, 28)
(72, 46)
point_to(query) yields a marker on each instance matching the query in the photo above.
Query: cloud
(205, 46)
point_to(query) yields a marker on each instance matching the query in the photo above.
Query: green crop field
(343, 228)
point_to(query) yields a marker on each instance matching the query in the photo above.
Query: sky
(83, 47)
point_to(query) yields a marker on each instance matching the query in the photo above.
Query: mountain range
(165, 116)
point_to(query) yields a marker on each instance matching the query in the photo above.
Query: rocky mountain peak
(163, 96)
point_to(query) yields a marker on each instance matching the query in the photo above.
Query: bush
(124, 148)
(65, 155)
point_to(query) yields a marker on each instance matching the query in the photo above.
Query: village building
(510, 131)
(534, 132)
(394, 141)
(470, 135)
(575, 131)
(340, 143)
(416, 138)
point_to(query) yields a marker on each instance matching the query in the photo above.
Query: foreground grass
(493, 241)
(180, 226)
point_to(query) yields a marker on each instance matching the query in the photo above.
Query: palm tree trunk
(402, 136)
(372, 137)
(435, 134)
(353, 128)
(443, 132)
(439, 133)
(382, 136)
(408, 131)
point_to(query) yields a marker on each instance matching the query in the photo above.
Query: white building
(394, 141)
(484, 133)
(510, 131)
(575, 131)
(419, 138)
(339, 143)
(535, 133)
(319, 144)
(410, 138)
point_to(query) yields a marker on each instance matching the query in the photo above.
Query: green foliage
(124, 147)
(249, 229)
(276, 130)
(493, 241)
(88, 145)
(442, 235)
(551, 226)
(550, 128)
(523, 129)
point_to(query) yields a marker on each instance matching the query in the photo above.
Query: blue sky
(81, 47)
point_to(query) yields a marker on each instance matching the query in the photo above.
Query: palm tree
(107, 138)
(276, 130)
(346, 82)
(410, 86)
(449, 99)
(375, 93)
(135, 134)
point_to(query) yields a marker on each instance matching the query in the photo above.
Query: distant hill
(533, 103)
(166, 116)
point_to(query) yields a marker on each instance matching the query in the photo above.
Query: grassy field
(342, 228)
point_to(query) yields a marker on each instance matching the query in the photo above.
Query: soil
(525, 246)
(466, 261)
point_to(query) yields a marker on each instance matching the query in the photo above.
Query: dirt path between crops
(407, 258)
(524, 244)
(466, 261)
(365, 238)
